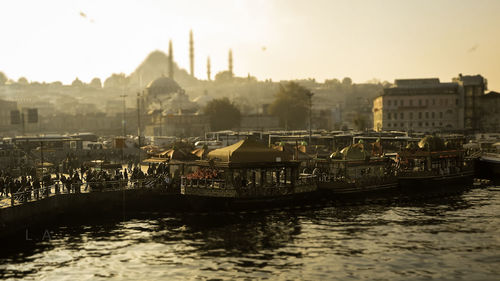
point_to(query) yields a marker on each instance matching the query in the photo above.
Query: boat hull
(435, 185)
(344, 191)
(232, 204)
(488, 167)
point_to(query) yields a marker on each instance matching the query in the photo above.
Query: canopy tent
(294, 152)
(151, 149)
(177, 154)
(248, 151)
(45, 165)
(201, 153)
(155, 160)
(354, 152)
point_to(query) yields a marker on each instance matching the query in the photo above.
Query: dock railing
(57, 188)
(220, 188)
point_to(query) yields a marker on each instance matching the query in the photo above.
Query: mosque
(167, 109)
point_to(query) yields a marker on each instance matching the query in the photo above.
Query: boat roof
(248, 151)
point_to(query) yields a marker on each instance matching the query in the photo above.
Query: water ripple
(456, 238)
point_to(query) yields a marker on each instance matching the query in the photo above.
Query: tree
(223, 114)
(331, 83)
(291, 105)
(22, 81)
(360, 122)
(96, 83)
(3, 78)
(347, 81)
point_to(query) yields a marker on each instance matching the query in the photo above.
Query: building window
(402, 115)
(402, 125)
(426, 124)
(395, 103)
(446, 102)
(411, 102)
(419, 102)
(456, 101)
(401, 102)
(426, 102)
(420, 124)
(433, 114)
(420, 115)
(432, 124)
(388, 125)
(396, 116)
(440, 123)
(389, 116)
(433, 101)
(389, 103)
(426, 115)
(440, 114)
(411, 115)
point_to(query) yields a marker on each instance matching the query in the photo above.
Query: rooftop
(421, 87)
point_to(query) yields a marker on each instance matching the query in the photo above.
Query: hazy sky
(282, 39)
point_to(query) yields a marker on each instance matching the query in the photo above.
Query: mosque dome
(162, 86)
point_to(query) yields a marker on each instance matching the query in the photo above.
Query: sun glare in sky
(61, 40)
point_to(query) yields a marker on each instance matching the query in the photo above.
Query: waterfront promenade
(58, 188)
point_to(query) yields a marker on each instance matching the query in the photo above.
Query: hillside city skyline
(270, 40)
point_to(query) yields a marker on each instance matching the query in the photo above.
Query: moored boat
(434, 168)
(247, 176)
(355, 173)
(488, 167)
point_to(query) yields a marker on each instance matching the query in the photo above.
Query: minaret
(230, 62)
(170, 60)
(208, 69)
(191, 52)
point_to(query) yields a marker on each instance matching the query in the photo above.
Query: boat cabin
(246, 169)
(432, 157)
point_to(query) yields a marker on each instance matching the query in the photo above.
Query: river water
(456, 238)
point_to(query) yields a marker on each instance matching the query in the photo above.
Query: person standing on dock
(3, 190)
(36, 187)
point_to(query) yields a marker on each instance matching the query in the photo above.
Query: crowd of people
(91, 179)
(10, 184)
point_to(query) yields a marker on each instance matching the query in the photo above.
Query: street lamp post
(123, 125)
(309, 95)
(139, 123)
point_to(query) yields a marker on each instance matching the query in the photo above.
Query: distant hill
(156, 65)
